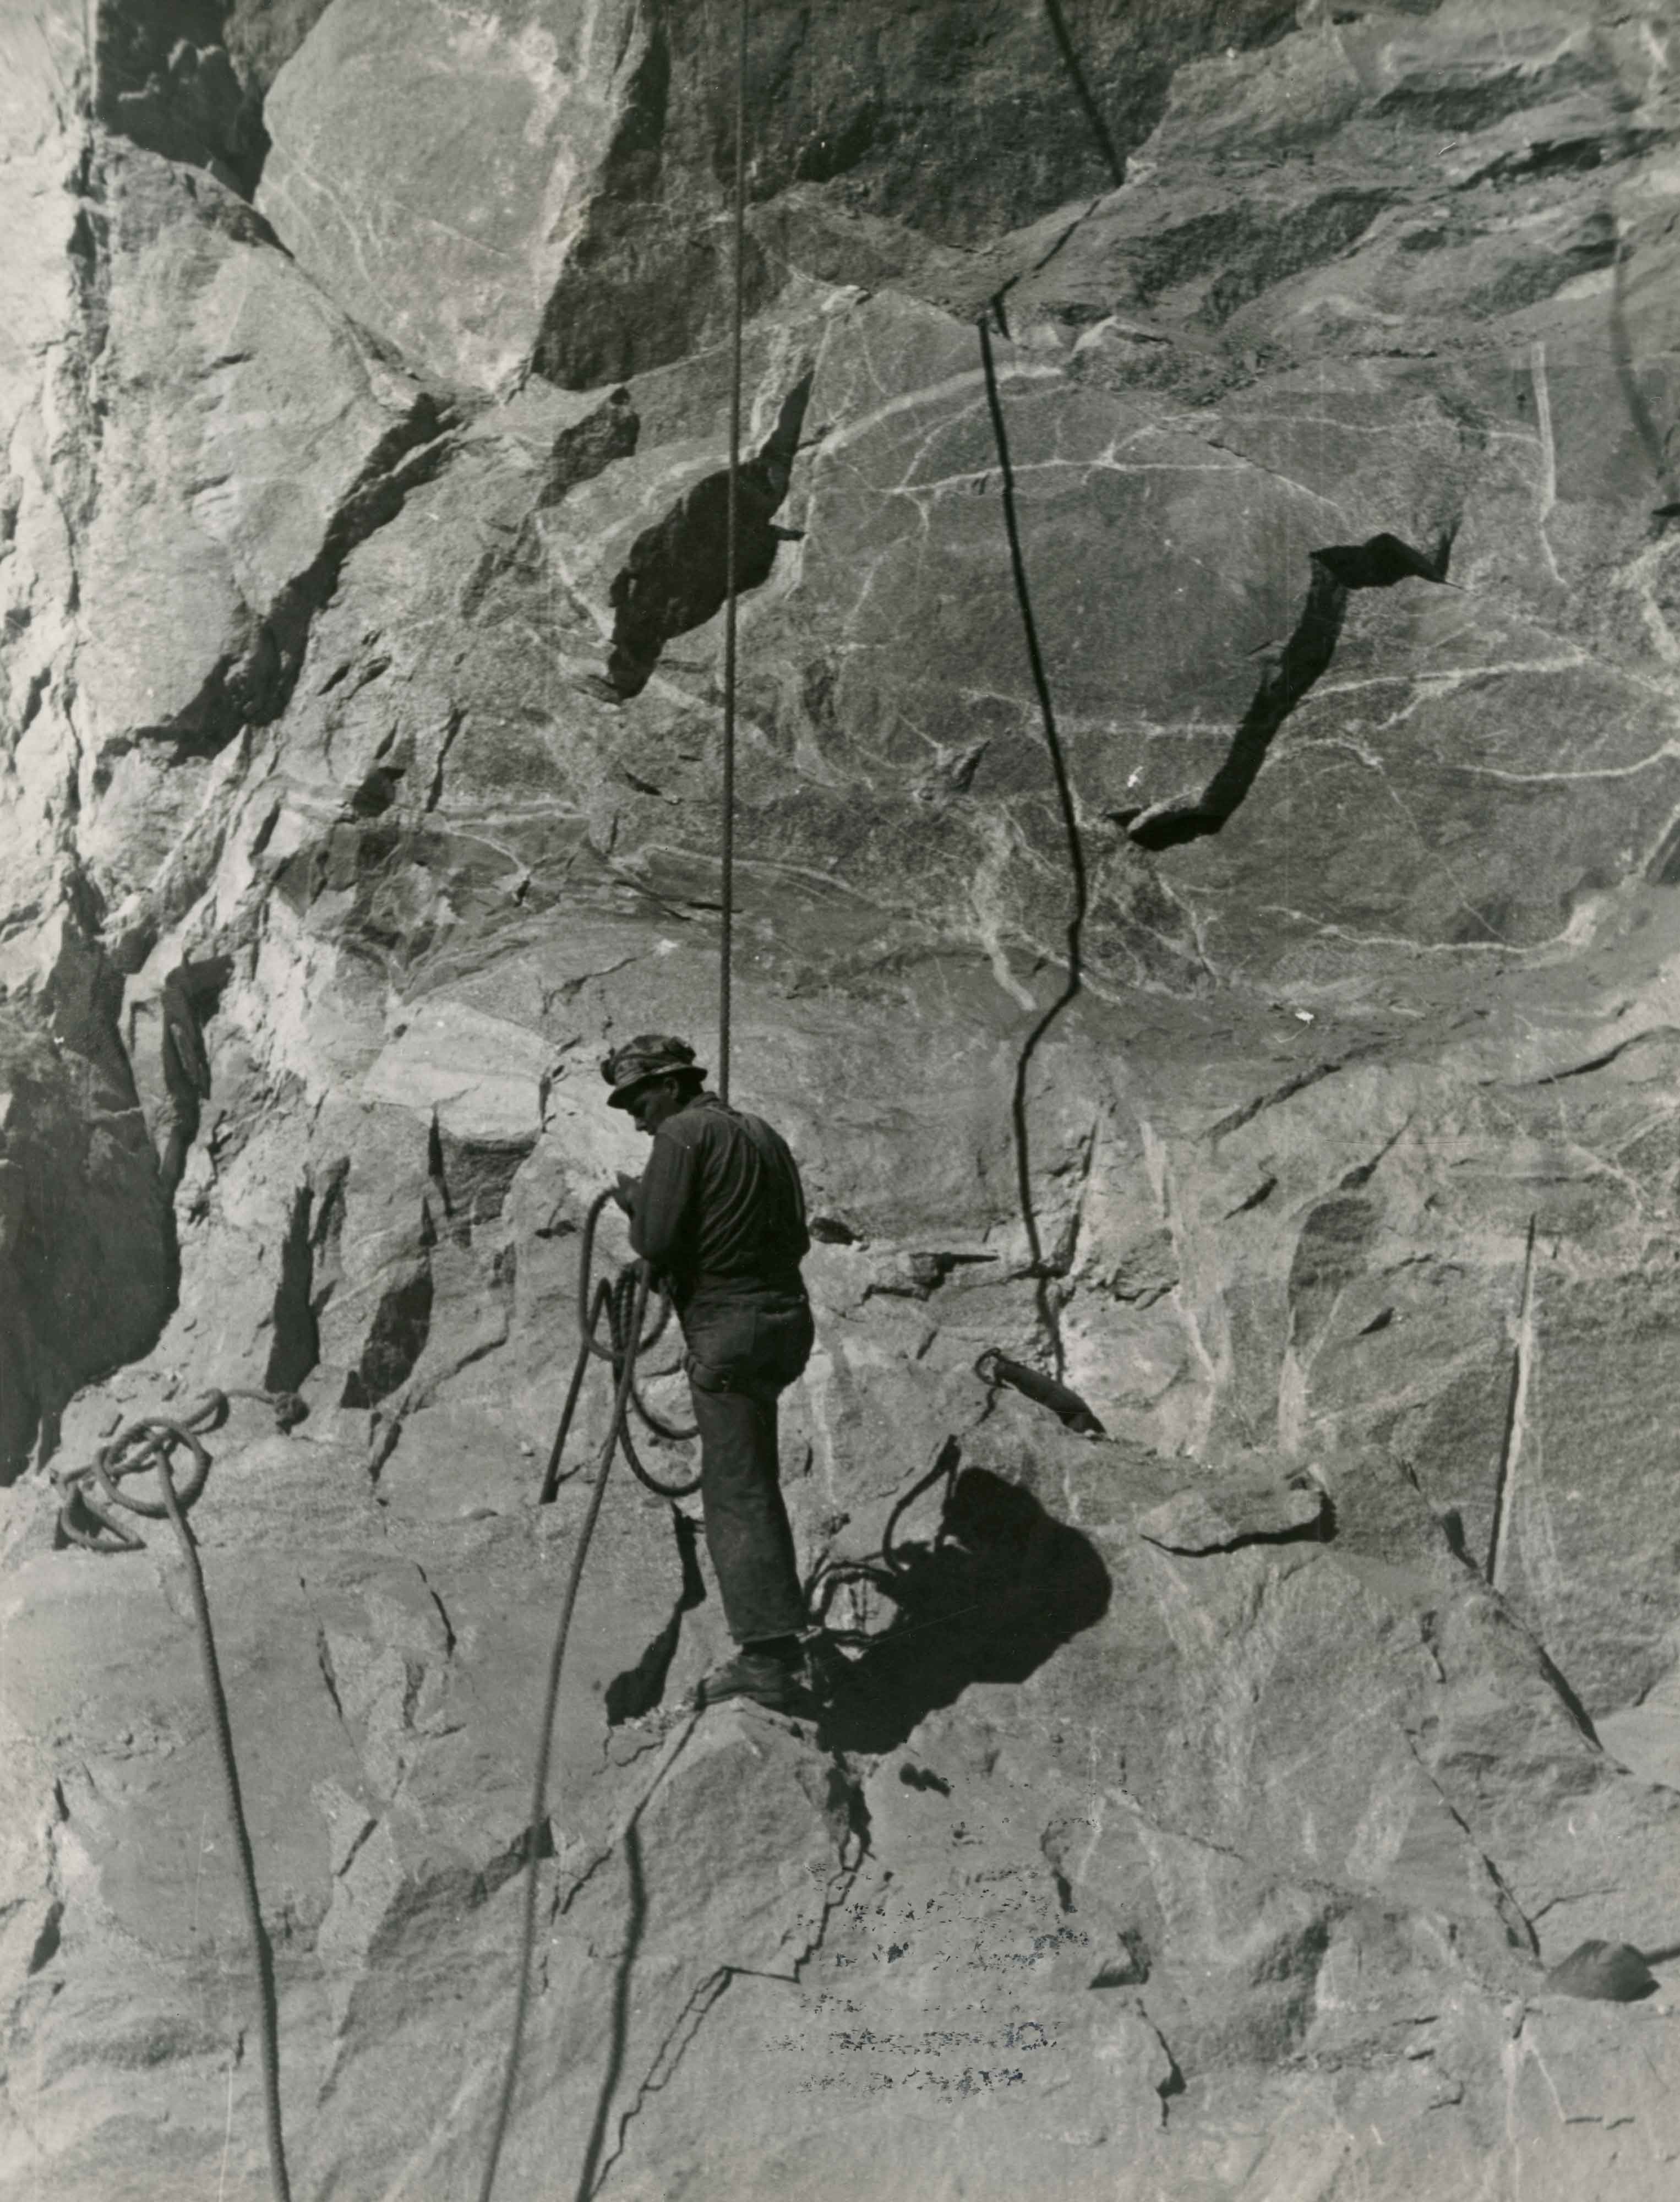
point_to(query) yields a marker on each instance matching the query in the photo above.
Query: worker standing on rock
(719, 1214)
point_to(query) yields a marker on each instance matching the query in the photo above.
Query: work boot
(774, 1678)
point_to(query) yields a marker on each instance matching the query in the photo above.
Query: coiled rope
(617, 1300)
(148, 1443)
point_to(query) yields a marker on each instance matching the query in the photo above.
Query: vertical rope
(726, 942)
(267, 2009)
(528, 1928)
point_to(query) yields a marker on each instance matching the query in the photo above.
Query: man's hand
(624, 1192)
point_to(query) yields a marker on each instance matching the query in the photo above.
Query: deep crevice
(296, 1339)
(396, 1339)
(191, 997)
(164, 80)
(1335, 572)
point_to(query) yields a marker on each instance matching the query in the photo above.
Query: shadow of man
(999, 1587)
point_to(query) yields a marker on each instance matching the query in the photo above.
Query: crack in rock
(1335, 571)
(1202, 1522)
(254, 688)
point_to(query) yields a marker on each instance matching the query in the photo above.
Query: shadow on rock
(677, 575)
(641, 1687)
(1001, 1585)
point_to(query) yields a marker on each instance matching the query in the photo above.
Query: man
(719, 1214)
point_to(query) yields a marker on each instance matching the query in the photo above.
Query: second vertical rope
(726, 942)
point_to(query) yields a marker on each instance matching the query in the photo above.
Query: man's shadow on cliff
(998, 1586)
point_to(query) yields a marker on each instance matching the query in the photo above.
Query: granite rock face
(551, 176)
(1277, 1043)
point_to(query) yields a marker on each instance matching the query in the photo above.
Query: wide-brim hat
(649, 1056)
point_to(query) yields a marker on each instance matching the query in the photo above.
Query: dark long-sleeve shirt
(719, 1209)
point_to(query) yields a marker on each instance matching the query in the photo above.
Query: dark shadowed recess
(191, 996)
(396, 1337)
(296, 1345)
(187, 79)
(1336, 570)
(999, 1586)
(164, 80)
(961, 119)
(676, 576)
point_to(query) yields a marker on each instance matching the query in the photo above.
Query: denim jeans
(742, 1352)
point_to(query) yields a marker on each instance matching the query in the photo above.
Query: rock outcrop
(1266, 1025)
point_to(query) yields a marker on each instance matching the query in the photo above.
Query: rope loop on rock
(149, 1444)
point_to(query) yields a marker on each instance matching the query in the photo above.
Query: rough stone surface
(1201, 1808)
(552, 173)
(1218, 1517)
